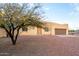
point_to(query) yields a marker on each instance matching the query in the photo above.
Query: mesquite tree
(14, 16)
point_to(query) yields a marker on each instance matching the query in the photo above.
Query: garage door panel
(60, 31)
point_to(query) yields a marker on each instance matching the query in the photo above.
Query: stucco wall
(30, 31)
(50, 25)
(59, 26)
(2, 33)
(53, 26)
(33, 30)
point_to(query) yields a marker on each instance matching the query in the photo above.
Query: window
(46, 29)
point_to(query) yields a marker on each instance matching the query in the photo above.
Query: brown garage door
(60, 31)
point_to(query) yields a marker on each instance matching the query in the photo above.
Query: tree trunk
(14, 37)
(11, 34)
(13, 41)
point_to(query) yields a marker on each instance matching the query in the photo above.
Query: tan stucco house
(51, 28)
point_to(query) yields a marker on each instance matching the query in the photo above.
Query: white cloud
(31, 4)
(71, 13)
(75, 9)
(46, 8)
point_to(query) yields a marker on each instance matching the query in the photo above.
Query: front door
(39, 31)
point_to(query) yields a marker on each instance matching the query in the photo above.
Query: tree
(13, 17)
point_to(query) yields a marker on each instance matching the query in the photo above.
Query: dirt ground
(41, 46)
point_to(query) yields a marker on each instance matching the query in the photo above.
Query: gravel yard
(41, 46)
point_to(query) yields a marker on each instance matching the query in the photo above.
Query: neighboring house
(50, 29)
(71, 32)
(77, 32)
(74, 32)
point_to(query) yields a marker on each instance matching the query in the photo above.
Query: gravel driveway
(41, 46)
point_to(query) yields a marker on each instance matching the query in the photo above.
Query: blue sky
(62, 13)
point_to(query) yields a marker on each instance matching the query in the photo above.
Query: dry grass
(41, 46)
